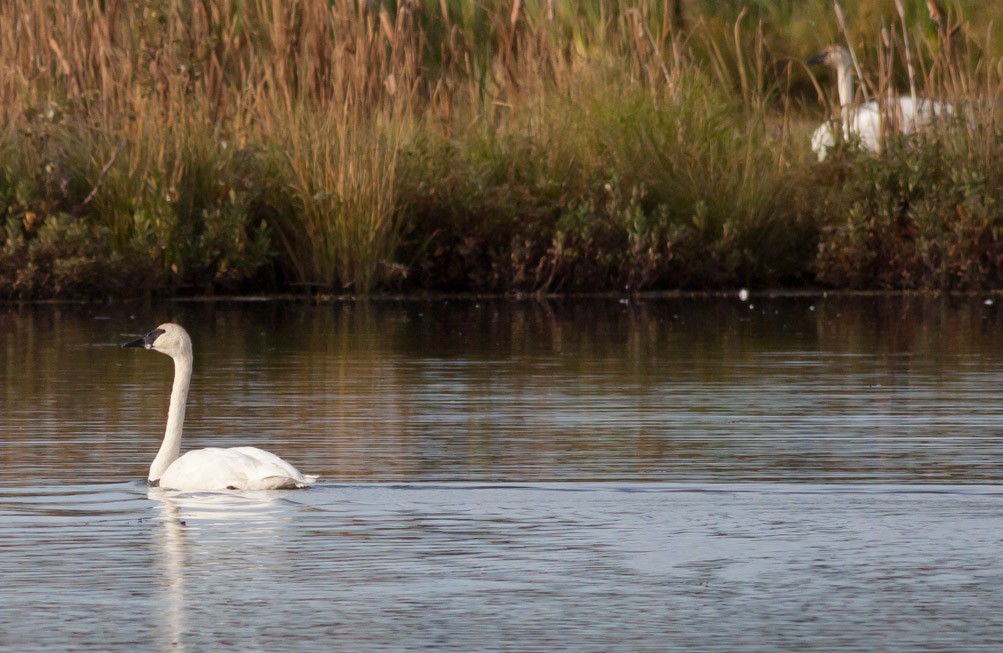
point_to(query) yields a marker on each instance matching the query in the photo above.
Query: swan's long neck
(844, 83)
(171, 446)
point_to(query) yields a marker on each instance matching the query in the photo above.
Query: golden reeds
(497, 145)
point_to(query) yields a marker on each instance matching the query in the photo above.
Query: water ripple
(502, 567)
(814, 474)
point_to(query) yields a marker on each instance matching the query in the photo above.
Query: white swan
(865, 121)
(239, 468)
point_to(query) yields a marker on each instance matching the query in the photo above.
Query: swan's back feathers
(239, 468)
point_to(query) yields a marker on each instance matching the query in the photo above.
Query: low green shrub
(925, 213)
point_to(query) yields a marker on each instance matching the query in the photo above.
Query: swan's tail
(287, 483)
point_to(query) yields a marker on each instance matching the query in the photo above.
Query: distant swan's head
(834, 56)
(170, 339)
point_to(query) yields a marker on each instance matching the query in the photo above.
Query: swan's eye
(151, 337)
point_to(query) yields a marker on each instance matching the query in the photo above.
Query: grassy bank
(251, 145)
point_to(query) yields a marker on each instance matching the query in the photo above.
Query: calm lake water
(664, 474)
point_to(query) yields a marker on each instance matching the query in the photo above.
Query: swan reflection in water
(181, 546)
(169, 553)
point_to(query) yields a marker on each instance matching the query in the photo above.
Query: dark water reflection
(876, 390)
(795, 474)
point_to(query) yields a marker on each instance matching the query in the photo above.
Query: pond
(785, 473)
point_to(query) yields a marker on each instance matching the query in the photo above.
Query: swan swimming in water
(864, 121)
(239, 468)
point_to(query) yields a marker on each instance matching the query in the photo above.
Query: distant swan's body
(239, 468)
(864, 122)
(904, 113)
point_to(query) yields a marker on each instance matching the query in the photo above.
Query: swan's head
(834, 56)
(170, 339)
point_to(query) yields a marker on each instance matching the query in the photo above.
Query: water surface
(783, 474)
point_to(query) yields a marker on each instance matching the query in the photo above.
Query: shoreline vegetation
(329, 148)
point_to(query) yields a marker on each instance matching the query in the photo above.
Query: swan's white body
(239, 468)
(866, 122)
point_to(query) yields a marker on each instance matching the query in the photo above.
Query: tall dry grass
(260, 111)
(502, 145)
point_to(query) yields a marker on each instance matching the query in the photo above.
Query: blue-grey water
(799, 474)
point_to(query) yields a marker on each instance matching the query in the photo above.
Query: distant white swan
(864, 121)
(239, 468)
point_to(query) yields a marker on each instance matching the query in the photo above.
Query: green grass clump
(341, 226)
(167, 206)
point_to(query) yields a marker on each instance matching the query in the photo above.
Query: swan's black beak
(146, 341)
(817, 59)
